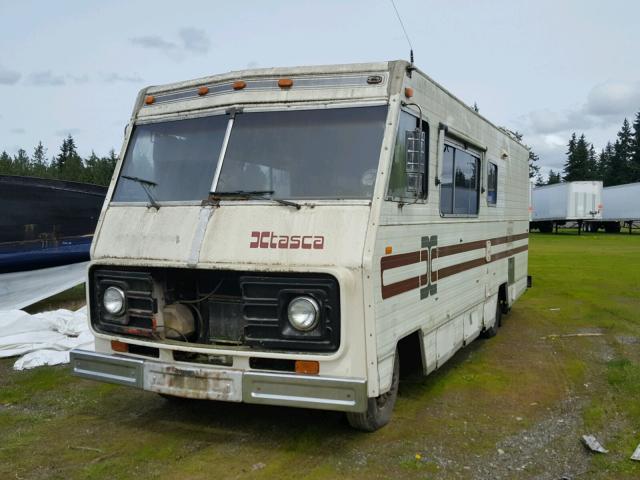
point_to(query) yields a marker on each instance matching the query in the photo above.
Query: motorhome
(289, 236)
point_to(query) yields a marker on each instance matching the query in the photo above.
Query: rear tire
(379, 409)
(493, 331)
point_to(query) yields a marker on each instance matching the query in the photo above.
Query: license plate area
(193, 382)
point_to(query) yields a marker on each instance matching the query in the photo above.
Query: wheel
(493, 331)
(379, 409)
(545, 227)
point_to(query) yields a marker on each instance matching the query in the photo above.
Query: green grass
(53, 425)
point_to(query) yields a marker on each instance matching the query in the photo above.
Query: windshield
(314, 154)
(305, 154)
(180, 157)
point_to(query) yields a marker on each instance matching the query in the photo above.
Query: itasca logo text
(272, 240)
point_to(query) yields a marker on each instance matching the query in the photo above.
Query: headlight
(303, 313)
(113, 300)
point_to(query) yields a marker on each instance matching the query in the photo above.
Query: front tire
(379, 409)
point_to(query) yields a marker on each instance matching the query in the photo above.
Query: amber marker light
(307, 367)
(285, 83)
(408, 92)
(149, 99)
(239, 85)
(118, 346)
(203, 91)
(388, 249)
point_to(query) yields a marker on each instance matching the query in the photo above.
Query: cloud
(46, 78)
(613, 99)
(195, 40)
(154, 42)
(606, 104)
(116, 77)
(8, 77)
(68, 131)
(18, 131)
(79, 79)
(190, 41)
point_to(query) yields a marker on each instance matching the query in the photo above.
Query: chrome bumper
(205, 382)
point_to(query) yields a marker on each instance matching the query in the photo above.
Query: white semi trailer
(621, 207)
(567, 202)
(288, 236)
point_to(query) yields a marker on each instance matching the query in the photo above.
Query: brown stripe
(509, 238)
(404, 259)
(400, 260)
(400, 287)
(460, 267)
(508, 253)
(478, 262)
(461, 248)
(466, 247)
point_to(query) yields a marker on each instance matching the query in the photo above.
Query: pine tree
(534, 168)
(604, 164)
(620, 163)
(39, 161)
(68, 163)
(635, 157)
(553, 177)
(21, 163)
(6, 163)
(580, 164)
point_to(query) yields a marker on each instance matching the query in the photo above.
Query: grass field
(514, 406)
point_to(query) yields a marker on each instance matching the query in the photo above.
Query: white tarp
(44, 338)
(20, 289)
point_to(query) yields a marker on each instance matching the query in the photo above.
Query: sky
(545, 68)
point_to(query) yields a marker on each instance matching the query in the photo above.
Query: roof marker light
(203, 91)
(388, 249)
(285, 83)
(408, 92)
(149, 99)
(239, 85)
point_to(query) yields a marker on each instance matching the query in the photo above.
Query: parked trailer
(560, 203)
(621, 208)
(287, 236)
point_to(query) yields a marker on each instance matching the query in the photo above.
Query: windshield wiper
(145, 184)
(258, 194)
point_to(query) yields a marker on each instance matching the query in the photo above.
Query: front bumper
(205, 382)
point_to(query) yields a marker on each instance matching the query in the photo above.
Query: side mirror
(414, 159)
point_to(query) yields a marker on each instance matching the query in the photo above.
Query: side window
(409, 170)
(492, 184)
(460, 182)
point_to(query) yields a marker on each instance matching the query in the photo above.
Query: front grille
(230, 308)
(265, 300)
(140, 307)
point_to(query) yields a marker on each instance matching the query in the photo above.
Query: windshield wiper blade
(145, 184)
(258, 194)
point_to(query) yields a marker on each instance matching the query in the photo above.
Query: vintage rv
(288, 236)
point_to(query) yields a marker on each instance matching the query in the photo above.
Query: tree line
(66, 165)
(616, 164)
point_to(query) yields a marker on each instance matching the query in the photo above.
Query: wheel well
(503, 298)
(410, 352)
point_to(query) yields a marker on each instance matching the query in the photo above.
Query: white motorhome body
(354, 208)
(566, 201)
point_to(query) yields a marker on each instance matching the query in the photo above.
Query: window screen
(409, 172)
(460, 182)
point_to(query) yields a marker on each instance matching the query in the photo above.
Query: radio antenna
(406, 35)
